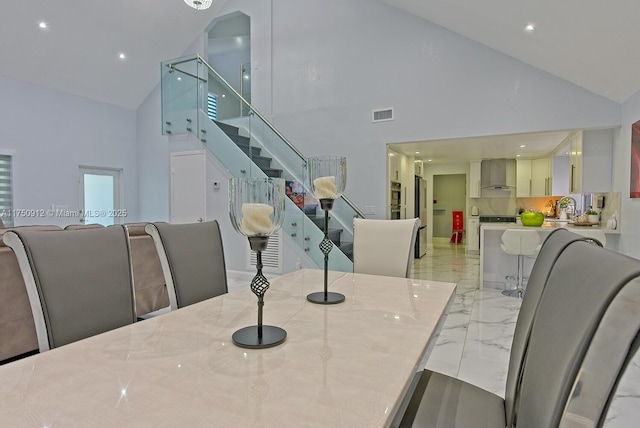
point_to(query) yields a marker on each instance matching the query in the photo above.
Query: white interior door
(188, 191)
(100, 196)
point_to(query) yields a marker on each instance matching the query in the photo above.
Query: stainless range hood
(498, 174)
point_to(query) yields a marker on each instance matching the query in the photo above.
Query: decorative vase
(256, 209)
(563, 214)
(593, 218)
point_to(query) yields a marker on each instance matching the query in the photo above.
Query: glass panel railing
(197, 100)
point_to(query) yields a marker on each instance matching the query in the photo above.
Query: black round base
(248, 337)
(332, 298)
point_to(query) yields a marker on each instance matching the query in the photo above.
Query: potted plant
(592, 215)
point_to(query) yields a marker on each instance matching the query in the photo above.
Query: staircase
(249, 146)
(264, 163)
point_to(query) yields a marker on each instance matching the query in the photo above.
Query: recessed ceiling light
(43, 25)
(530, 28)
(517, 156)
(417, 153)
(522, 146)
(429, 160)
(122, 56)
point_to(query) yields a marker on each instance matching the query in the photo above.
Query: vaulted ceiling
(588, 42)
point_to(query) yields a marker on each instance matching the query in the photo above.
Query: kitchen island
(495, 264)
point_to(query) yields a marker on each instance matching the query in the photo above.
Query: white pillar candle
(256, 219)
(325, 187)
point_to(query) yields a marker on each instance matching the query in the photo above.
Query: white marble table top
(341, 365)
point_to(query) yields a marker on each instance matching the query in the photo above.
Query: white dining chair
(384, 247)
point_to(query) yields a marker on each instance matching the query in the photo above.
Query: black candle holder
(259, 336)
(326, 245)
(256, 210)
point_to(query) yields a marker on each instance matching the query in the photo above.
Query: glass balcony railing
(197, 100)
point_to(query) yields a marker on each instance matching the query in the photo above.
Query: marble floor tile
(475, 340)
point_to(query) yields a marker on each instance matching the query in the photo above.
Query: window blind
(6, 197)
(212, 106)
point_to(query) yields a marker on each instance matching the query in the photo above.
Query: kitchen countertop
(547, 226)
(495, 264)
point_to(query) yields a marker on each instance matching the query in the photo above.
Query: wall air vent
(382, 115)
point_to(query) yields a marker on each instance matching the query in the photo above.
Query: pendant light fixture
(199, 4)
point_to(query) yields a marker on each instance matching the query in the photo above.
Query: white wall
(52, 134)
(630, 226)
(335, 61)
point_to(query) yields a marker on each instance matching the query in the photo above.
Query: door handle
(199, 219)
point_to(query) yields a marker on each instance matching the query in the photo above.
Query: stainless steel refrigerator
(420, 211)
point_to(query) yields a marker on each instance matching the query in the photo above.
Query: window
(6, 199)
(212, 106)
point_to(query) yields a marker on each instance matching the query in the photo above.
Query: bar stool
(520, 242)
(457, 227)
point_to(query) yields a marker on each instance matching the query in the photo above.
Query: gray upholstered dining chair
(78, 281)
(384, 247)
(149, 285)
(544, 368)
(192, 260)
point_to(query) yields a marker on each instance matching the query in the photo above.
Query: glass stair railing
(197, 100)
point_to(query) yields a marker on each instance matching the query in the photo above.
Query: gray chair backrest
(192, 260)
(148, 279)
(582, 284)
(613, 347)
(78, 281)
(551, 249)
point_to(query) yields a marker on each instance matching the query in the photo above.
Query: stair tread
(227, 128)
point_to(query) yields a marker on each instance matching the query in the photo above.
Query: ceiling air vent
(383, 114)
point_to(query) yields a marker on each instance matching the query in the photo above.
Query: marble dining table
(342, 365)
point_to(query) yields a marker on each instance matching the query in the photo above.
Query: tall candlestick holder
(327, 179)
(256, 209)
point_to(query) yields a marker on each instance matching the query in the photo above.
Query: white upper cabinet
(523, 178)
(418, 168)
(474, 179)
(541, 176)
(395, 165)
(590, 157)
(533, 177)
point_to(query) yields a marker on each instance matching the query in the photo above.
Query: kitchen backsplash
(512, 205)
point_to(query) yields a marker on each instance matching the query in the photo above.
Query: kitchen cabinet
(473, 235)
(575, 163)
(590, 157)
(541, 176)
(395, 164)
(475, 172)
(418, 168)
(533, 177)
(401, 171)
